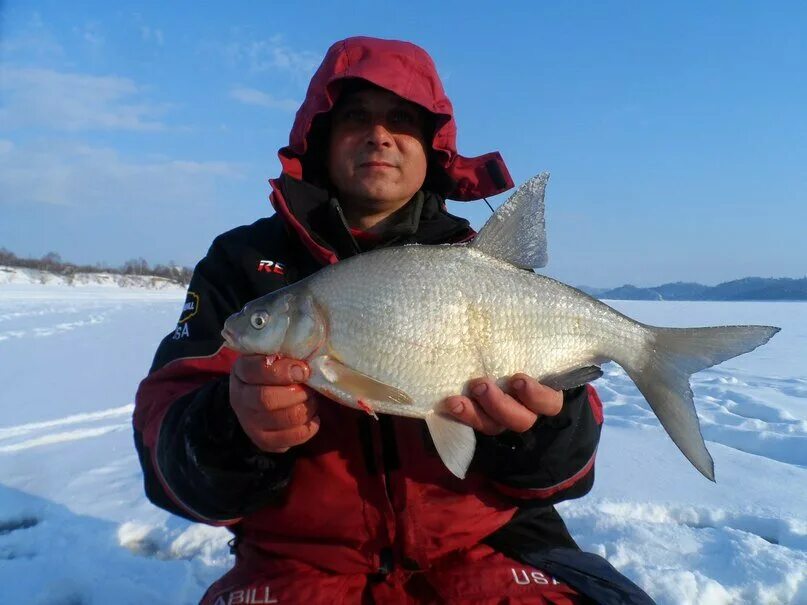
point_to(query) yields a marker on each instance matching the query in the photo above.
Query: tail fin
(672, 356)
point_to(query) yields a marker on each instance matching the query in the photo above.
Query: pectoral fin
(349, 387)
(570, 380)
(454, 441)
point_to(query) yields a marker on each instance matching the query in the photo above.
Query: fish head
(261, 326)
(287, 323)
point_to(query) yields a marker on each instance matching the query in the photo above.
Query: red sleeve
(196, 460)
(155, 395)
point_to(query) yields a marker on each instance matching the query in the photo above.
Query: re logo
(270, 266)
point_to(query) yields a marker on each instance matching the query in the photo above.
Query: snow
(20, 279)
(75, 526)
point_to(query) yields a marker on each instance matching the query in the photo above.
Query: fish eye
(259, 320)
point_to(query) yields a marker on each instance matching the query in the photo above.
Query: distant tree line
(53, 263)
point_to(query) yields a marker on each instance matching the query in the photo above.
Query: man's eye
(400, 116)
(354, 115)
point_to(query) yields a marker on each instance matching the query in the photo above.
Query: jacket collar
(317, 220)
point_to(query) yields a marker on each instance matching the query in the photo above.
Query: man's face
(377, 152)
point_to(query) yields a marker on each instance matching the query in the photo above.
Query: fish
(397, 330)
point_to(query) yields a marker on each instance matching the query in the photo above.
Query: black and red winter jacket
(361, 490)
(363, 495)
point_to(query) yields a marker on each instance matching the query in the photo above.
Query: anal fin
(454, 441)
(570, 380)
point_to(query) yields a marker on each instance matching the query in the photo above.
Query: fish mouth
(229, 338)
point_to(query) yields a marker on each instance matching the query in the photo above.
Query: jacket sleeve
(197, 461)
(554, 460)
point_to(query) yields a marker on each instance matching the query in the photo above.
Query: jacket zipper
(389, 462)
(388, 447)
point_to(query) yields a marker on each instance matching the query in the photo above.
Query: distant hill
(628, 292)
(592, 291)
(748, 288)
(682, 291)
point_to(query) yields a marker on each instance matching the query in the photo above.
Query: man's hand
(491, 411)
(274, 409)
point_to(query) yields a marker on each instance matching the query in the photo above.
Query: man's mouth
(376, 164)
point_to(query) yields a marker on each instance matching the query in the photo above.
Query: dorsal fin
(516, 232)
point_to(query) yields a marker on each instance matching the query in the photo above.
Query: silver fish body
(398, 330)
(426, 319)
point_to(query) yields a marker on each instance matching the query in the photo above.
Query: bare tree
(52, 262)
(7, 257)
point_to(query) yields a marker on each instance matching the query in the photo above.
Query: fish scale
(432, 351)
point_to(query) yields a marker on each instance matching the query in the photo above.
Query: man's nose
(378, 135)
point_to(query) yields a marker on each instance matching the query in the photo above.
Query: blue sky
(676, 133)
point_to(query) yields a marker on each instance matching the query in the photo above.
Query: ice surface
(75, 526)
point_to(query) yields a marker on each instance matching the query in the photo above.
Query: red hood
(408, 71)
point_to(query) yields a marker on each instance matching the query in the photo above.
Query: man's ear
(437, 180)
(429, 121)
(315, 160)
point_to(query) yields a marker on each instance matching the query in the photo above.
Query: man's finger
(280, 441)
(292, 416)
(541, 399)
(501, 407)
(468, 412)
(270, 370)
(261, 399)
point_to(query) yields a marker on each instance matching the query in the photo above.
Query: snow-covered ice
(75, 526)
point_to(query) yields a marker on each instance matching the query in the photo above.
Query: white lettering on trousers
(524, 577)
(250, 596)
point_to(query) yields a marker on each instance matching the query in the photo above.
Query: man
(326, 504)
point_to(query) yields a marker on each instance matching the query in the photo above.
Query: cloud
(33, 40)
(74, 102)
(75, 174)
(250, 96)
(273, 54)
(151, 34)
(92, 34)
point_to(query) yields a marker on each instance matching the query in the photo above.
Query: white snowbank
(20, 283)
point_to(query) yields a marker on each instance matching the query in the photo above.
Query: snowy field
(75, 527)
